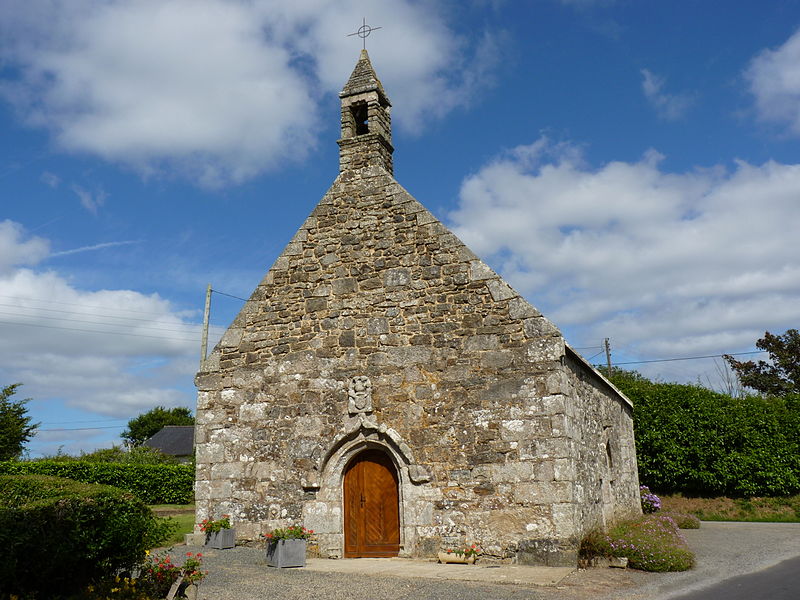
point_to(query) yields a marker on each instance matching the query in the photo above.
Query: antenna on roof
(364, 31)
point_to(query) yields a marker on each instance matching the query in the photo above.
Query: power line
(155, 337)
(60, 302)
(75, 312)
(640, 362)
(92, 322)
(81, 421)
(83, 428)
(213, 291)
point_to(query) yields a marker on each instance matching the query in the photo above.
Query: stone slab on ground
(404, 567)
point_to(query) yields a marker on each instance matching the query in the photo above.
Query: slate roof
(364, 79)
(174, 440)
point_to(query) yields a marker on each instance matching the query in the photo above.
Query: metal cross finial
(364, 31)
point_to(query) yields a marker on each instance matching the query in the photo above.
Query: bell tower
(366, 123)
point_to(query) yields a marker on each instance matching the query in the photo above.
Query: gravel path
(723, 550)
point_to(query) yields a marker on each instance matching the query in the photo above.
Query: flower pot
(224, 538)
(458, 559)
(191, 591)
(286, 553)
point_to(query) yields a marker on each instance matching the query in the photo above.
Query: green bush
(690, 439)
(154, 484)
(650, 543)
(58, 536)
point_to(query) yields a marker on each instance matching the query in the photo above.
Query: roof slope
(174, 440)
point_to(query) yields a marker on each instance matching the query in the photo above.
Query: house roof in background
(175, 440)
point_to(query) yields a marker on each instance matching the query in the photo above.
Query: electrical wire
(213, 291)
(640, 362)
(155, 337)
(83, 428)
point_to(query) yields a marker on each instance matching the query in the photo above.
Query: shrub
(650, 543)
(692, 440)
(154, 484)
(58, 536)
(650, 502)
(139, 455)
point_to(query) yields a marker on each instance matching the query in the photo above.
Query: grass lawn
(182, 514)
(767, 510)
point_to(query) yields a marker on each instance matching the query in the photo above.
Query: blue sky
(632, 168)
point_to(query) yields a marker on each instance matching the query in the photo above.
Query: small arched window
(360, 117)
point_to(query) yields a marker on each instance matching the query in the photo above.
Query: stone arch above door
(362, 432)
(324, 510)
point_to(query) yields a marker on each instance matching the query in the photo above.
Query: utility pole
(608, 356)
(204, 340)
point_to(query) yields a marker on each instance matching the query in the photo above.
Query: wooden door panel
(372, 516)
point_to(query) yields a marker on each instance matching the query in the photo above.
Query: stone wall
(495, 428)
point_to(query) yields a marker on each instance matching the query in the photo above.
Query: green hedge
(59, 535)
(154, 484)
(690, 439)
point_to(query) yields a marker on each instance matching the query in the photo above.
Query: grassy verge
(765, 510)
(650, 543)
(180, 514)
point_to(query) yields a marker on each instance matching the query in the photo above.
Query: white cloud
(668, 106)
(90, 201)
(51, 180)
(115, 353)
(16, 252)
(664, 264)
(774, 78)
(221, 90)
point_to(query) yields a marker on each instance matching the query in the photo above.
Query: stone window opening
(360, 117)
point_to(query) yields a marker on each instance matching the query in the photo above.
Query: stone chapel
(387, 389)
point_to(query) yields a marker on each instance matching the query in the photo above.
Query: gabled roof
(363, 79)
(174, 440)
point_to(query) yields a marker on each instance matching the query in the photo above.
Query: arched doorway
(371, 506)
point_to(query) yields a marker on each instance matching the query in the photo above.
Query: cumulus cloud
(664, 264)
(220, 90)
(670, 107)
(115, 353)
(774, 79)
(16, 251)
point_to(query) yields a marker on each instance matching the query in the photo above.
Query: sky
(631, 167)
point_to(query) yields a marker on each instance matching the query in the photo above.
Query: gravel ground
(723, 550)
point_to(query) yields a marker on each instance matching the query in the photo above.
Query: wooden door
(371, 507)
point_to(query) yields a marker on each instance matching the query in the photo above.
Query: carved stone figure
(359, 395)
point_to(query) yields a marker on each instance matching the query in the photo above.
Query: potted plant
(219, 533)
(160, 577)
(464, 556)
(287, 547)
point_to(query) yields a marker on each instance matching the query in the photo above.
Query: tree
(15, 427)
(779, 376)
(148, 424)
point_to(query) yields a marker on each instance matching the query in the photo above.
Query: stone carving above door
(359, 395)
